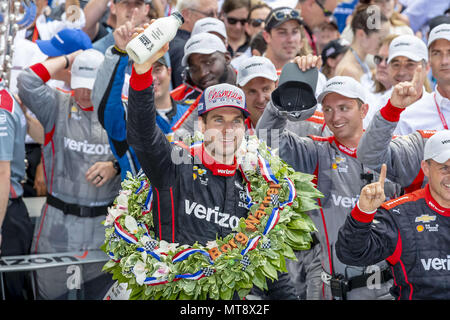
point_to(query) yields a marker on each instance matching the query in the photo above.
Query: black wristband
(67, 62)
(116, 166)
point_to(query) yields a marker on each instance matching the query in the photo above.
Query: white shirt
(423, 114)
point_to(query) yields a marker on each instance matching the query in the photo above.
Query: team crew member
(178, 193)
(432, 112)
(80, 177)
(412, 232)
(110, 105)
(402, 155)
(208, 63)
(258, 78)
(340, 174)
(16, 231)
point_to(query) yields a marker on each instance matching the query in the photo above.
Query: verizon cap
(84, 69)
(255, 67)
(438, 147)
(203, 43)
(408, 46)
(441, 31)
(345, 86)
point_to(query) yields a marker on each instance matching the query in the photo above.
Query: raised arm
(361, 243)
(152, 148)
(402, 155)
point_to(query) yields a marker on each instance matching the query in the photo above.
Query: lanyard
(444, 122)
(362, 64)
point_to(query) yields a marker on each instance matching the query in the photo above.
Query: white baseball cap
(255, 67)
(345, 86)
(203, 43)
(438, 147)
(209, 24)
(408, 46)
(441, 31)
(84, 69)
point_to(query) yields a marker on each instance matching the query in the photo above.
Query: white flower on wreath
(162, 270)
(211, 244)
(250, 162)
(131, 224)
(139, 270)
(113, 213)
(165, 247)
(122, 200)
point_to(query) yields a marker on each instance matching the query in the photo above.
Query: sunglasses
(256, 22)
(379, 59)
(211, 14)
(326, 12)
(283, 15)
(234, 21)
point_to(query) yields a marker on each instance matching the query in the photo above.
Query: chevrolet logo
(425, 218)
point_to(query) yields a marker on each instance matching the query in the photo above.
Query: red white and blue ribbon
(148, 205)
(184, 254)
(251, 244)
(266, 171)
(273, 220)
(191, 276)
(153, 254)
(245, 178)
(121, 232)
(152, 281)
(144, 185)
(292, 193)
(248, 197)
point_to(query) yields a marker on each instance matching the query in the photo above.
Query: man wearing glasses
(314, 13)
(192, 10)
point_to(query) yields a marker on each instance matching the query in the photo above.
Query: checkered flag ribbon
(150, 245)
(275, 200)
(245, 262)
(114, 237)
(266, 244)
(208, 271)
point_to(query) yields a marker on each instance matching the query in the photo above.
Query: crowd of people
(360, 101)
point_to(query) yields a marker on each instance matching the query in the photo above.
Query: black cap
(437, 21)
(280, 15)
(333, 48)
(296, 91)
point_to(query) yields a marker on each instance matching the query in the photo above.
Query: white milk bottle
(154, 37)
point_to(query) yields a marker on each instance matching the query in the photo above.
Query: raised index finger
(417, 78)
(382, 174)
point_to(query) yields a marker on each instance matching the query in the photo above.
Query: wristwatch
(116, 166)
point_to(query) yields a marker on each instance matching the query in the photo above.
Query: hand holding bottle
(141, 68)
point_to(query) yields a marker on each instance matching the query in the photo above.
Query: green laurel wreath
(231, 274)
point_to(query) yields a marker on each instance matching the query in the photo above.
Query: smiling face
(439, 180)
(344, 116)
(283, 42)
(223, 129)
(257, 94)
(207, 70)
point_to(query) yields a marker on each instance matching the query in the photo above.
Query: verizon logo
(85, 147)
(211, 215)
(436, 263)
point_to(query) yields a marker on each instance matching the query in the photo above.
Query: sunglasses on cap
(284, 14)
(234, 21)
(379, 59)
(256, 22)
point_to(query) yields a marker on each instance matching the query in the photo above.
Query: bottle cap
(179, 16)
